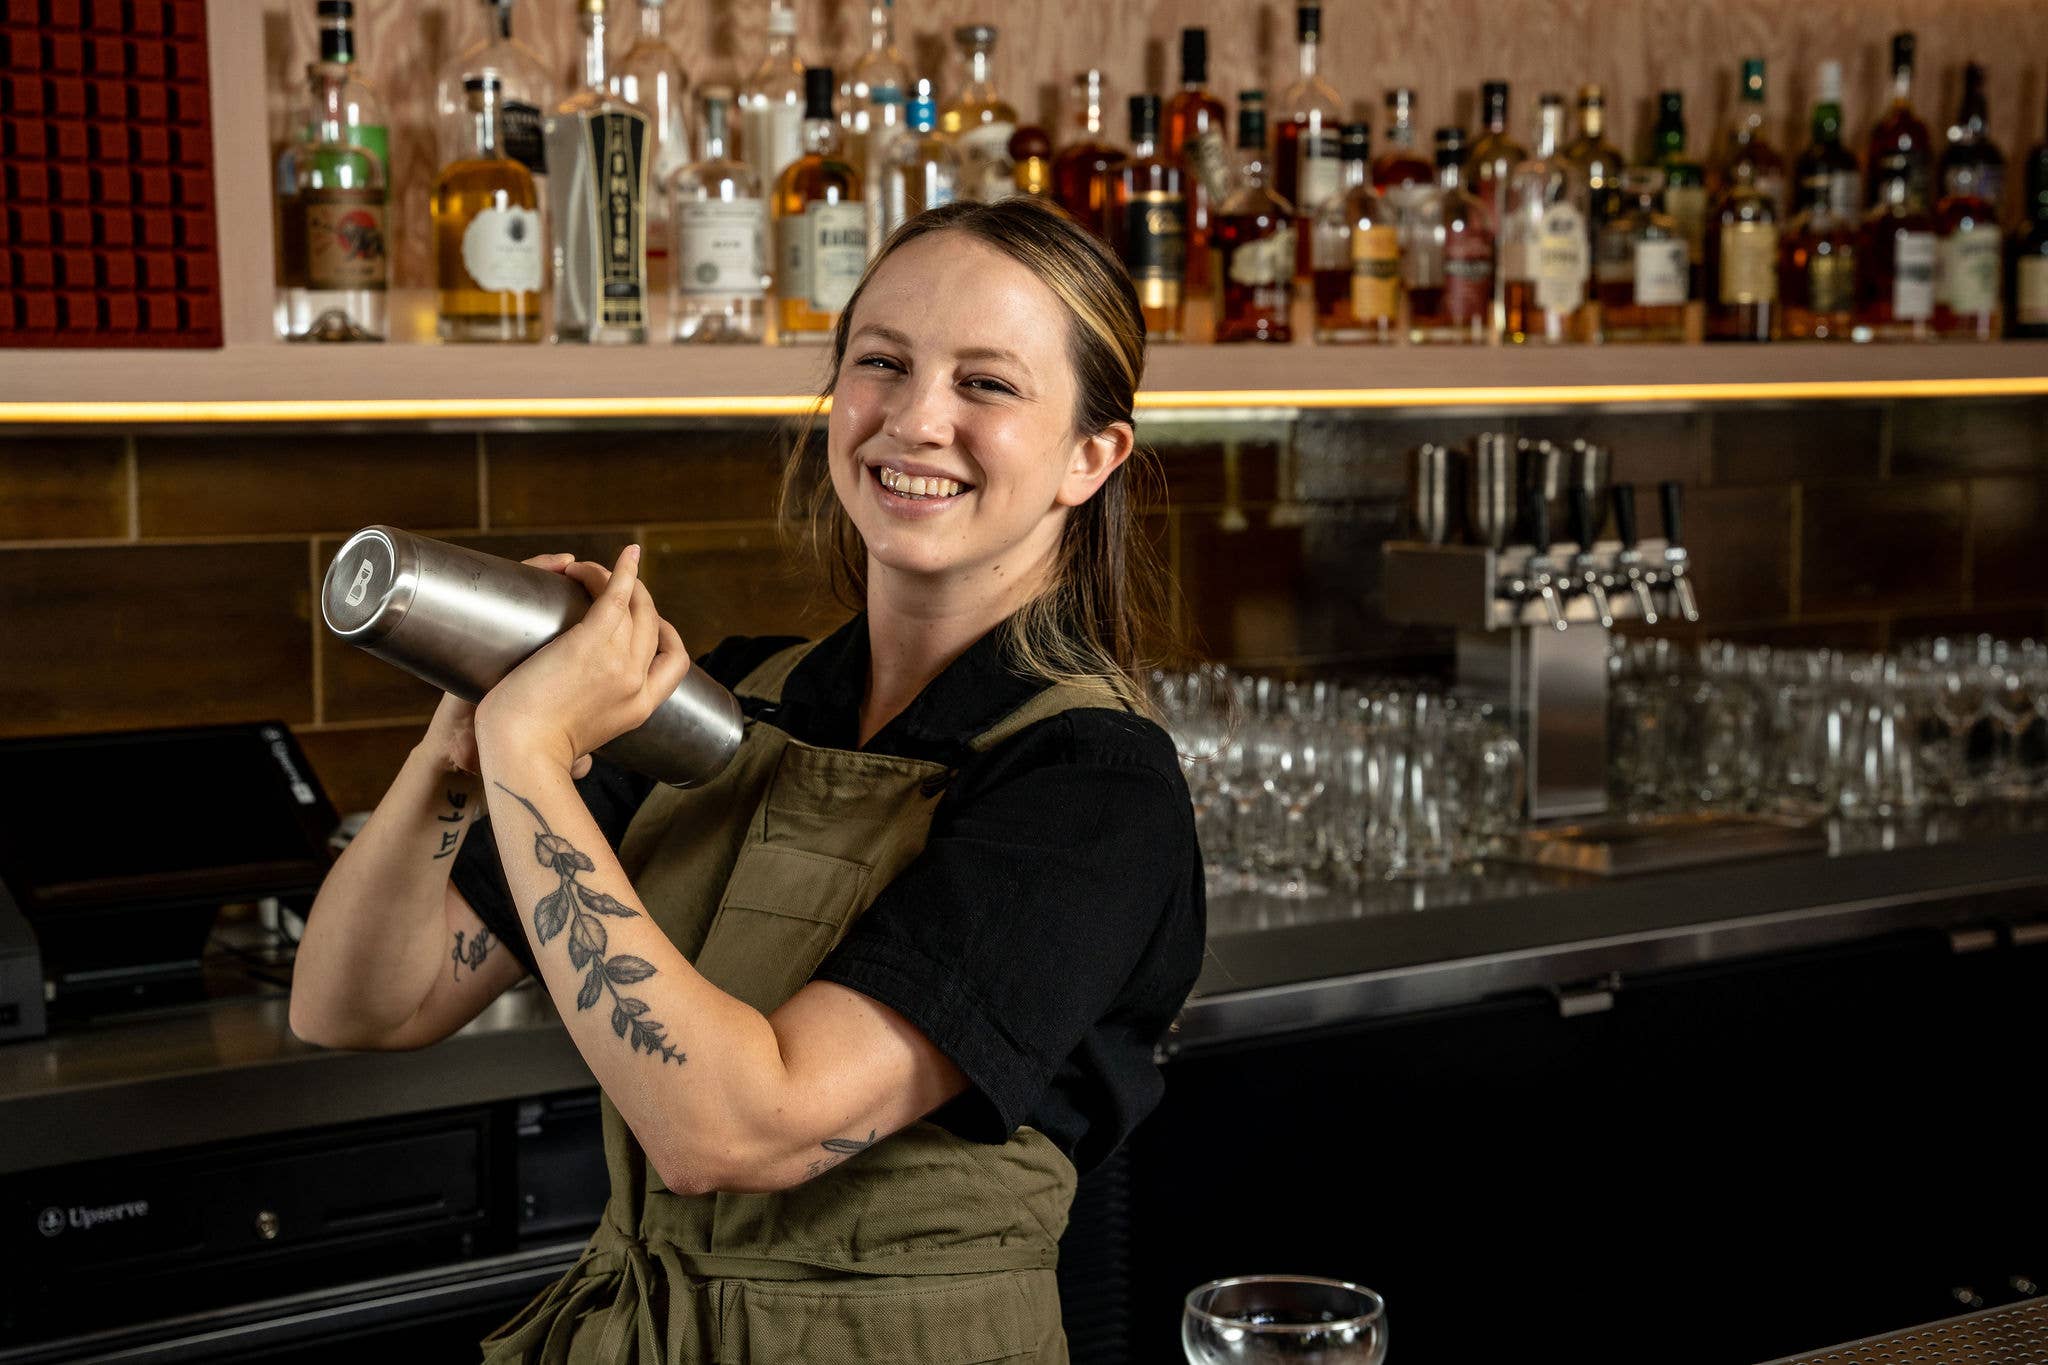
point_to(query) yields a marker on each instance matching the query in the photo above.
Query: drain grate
(2014, 1335)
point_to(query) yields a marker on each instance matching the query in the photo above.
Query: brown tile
(585, 478)
(1647, 447)
(356, 766)
(1741, 545)
(712, 583)
(1948, 437)
(1777, 445)
(234, 485)
(2008, 539)
(60, 488)
(154, 635)
(358, 686)
(1894, 545)
(1205, 474)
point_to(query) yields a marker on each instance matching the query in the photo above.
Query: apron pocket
(927, 1320)
(783, 910)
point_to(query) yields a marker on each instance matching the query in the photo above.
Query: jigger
(1490, 491)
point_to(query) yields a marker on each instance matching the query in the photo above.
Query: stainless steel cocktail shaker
(461, 620)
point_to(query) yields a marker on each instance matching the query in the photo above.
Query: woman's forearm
(376, 936)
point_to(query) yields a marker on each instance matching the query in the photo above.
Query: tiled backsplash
(164, 580)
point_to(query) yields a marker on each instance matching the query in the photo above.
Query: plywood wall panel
(1444, 48)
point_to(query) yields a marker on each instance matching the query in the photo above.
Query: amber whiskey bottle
(1080, 172)
(1147, 219)
(487, 238)
(821, 229)
(2026, 271)
(1253, 262)
(1742, 263)
(1197, 136)
(1900, 148)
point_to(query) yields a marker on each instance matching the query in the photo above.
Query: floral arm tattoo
(578, 908)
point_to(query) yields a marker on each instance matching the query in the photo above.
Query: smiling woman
(864, 1005)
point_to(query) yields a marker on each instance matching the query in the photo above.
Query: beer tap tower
(1533, 615)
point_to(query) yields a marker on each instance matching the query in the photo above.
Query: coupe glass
(1257, 1318)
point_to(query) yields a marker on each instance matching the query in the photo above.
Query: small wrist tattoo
(457, 816)
(473, 953)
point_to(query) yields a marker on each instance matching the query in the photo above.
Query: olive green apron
(925, 1249)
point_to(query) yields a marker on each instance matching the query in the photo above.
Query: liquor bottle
(597, 203)
(362, 125)
(1449, 273)
(1146, 221)
(2026, 273)
(979, 120)
(1897, 256)
(772, 101)
(1746, 153)
(1254, 241)
(338, 205)
(1307, 161)
(1545, 253)
(1685, 184)
(923, 170)
(1817, 257)
(1827, 170)
(885, 125)
(1968, 277)
(1197, 137)
(487, 239)
(1401, 173)
(1493, 158)
(821, 230)
(1599, 160)
(525, 93)
(1742, 260)
(882, 66)
(1079, 172)
(1641, 266)
(1030, 153)
(1899, 145)
(719, 223)
(1357, 243)
(1972, 163)
(650, 77)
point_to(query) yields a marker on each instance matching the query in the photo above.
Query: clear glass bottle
(1307, 162)
(1080, 171)
(1742, 262)
(885, 125)
(1146, 220)
(1897, 256)
(1254, 241)
(1747, 154)
(1545, 252)
(719, 239)
(487, 238)
(2026, 270)
(881, 67)
(979, 120)
(597, 202)
(1968, 274)
(1817, 255)
(924, 170)
(1197, 135)
(1448, 270)
(338, 202)
(1599, 160)
(1642, 268)
(772, 101)
(363, 125)
(821, 228)
(1685, 183)
(650, 77)
(1900, 148)
(1972, 164)
(1827, 169)
(1356, 238)
(526, 93)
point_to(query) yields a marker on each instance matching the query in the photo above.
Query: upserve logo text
(85, 1217)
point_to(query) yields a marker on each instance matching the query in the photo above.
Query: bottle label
(1749, 263)
(2032, 302)
(1688, 205)
(985, 161)
(1155, 246)
(774, 138)
(1844, 192)
(1562, 267)
(1318, 172)
(618, 160)
(721, 244)
(1208, 160)
(1268, 260)
(344, 239)
(835, 253)
(1967, 278)
(501, 250)
(1831, 280)
(1914, 255)
(1662, 273)
(1468, 278)
(519, 131)
(1376, 274)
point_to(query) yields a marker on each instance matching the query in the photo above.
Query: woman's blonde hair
(1104, 608)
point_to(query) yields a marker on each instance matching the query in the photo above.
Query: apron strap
(1064, 696)
(765, 682)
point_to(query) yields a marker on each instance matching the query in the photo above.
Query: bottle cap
(976, 35)
(781, 21)
(1251, 118)
(1144, 118)
(1753, 80)
(1450, 138)
(1830, 82)
(336, 9)
(818, 91)
(884, 94)
(1308, 23)
(1194, 56)
(1354, 142)
(487, 80)
(1902, 51)
(1592, 97)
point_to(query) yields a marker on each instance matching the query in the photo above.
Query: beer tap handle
(1671, 494)
(1623, 496)
(1581, 505)
(1536, 519)
(1674, 554)
(1681, 586)
(1536, 516)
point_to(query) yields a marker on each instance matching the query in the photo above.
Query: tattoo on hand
(452, 837)
(840, 1149)
(473, 954)
(578, 907)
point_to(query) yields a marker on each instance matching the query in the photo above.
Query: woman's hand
(599, 679)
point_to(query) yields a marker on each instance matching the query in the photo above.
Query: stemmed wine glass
(1257, 1318)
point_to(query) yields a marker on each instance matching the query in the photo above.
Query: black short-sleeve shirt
(1051, 928)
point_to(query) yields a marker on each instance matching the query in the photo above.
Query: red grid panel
(107, 230)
